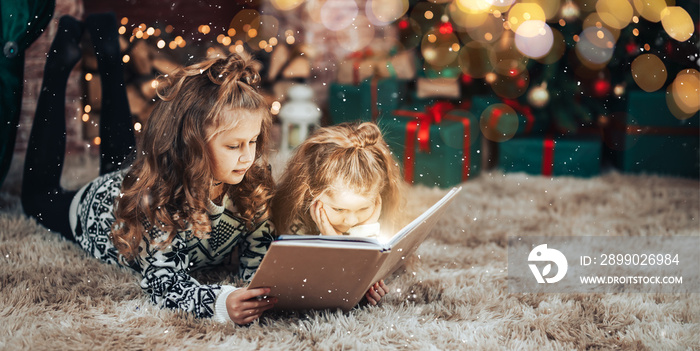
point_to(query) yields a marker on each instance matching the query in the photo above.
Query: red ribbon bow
(433, 114)
(420, 129)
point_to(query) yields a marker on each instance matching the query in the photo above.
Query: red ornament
(403, 24)
(631, 48)
(601, 87)
(466, 79)
(446, 28)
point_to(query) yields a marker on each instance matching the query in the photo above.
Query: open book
(317, 272)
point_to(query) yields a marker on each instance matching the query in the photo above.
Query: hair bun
(366, 134)
(235, 68)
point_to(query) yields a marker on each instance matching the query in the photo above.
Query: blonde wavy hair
(355, 155)
(168, 183)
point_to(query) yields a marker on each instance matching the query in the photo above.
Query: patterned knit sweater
(166, 272)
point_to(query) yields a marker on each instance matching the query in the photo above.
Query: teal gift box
(364, 101)
(527, 122)
(647, 138)
(435, 145)
(565, 156)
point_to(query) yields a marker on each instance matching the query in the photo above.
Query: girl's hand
(376, 292)
(246, 305)
(374, 218)
(318, 214)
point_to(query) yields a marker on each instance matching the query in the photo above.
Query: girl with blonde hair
(342, 180)
(198, 190)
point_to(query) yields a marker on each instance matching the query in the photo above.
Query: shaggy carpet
(453, 295)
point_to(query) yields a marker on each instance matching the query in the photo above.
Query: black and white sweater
(165, 272)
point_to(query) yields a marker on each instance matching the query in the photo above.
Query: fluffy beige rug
(52, 296)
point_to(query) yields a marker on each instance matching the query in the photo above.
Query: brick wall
(35, 59)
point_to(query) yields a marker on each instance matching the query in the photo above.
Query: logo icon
(542, 254)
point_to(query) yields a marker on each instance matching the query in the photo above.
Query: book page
(408, 239)
(330, 241)
(416, 222)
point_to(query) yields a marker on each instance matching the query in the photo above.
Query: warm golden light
(137, 126)
(126, 58)
(122, 30)
(161, 44)
(231, 32)
(86, 117)
(615, 13)
(87, 108)
(88, 76)
(124, 21)
(677, 23)
(97, 141)
(649, 72)
(226, 41)
(252, 33)
(686, 91)
(428, 15)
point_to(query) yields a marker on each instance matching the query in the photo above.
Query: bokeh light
(356, 37)
(558, 48)
(550, 7)
(534, 38)
(339, 14)
(595, 46)
(649, 72)
(488, 32)
(677, 23)
(686, 91)
(594, 20)
(286, 5)
(615, 13)
(511, 86)
(243, 22)
(436, 48)
(498, 122)
(521, 12)
(505, 57)
(383, 12)
(466, 19)
(650, 9)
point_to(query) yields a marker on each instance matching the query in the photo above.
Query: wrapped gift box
(647, 138)
(565, 156)
(364, 101)
(434, 145)
(528, 122)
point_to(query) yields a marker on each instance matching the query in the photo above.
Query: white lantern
(299, 115)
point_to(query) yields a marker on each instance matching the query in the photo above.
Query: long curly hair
(168, 183)
(355, 155)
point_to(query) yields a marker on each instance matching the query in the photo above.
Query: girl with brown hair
(342, 180)
(198, 189)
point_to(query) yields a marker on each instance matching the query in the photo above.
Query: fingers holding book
(376, 292)
(246, 305)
